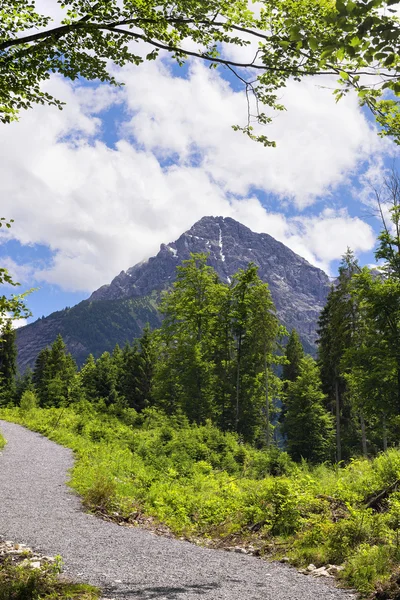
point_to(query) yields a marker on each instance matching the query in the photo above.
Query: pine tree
(106, 379)
(255, 329)
(337, 325)
(41, 375)
(8, 363)
(308, 426)
(87, 376)
(54, 372)
(294, 353)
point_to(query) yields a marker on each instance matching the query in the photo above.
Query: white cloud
(102, 209)
(320, 142)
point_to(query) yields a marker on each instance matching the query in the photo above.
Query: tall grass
(201, 482)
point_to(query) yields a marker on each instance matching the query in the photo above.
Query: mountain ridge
(117, 311)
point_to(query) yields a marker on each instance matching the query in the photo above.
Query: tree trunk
(238, 383)
(338, 437)
(363, 436)
(267, 430)
(398, 384)
(384, 432)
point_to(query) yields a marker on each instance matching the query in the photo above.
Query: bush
(2, 442)
(24, 583)
(202, 482)
(28, 401)
(367, 566)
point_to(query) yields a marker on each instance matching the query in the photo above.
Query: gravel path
(37, 508)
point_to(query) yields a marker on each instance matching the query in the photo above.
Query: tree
(135, 382)
(337, 324)
(295, 38)
(308, 425)
(8, 363)
(185, 377)
(255, 329)
(54, 372)
(294, 352)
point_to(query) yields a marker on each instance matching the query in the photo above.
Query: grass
(204, 484)
(19, 582)
(2, 442)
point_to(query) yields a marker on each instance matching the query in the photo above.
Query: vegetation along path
(38, 509)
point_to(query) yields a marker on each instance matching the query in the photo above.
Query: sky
(97, 187)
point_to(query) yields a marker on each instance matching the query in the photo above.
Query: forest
(218, 428)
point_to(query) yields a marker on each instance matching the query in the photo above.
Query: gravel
(38, 509)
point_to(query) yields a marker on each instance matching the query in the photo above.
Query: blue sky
(97, 187)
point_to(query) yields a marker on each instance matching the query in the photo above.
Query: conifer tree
(87, 375)
(8, 363)
(255, 329)
(185, 377)
(337, 325)
(308, 426)
(54, 372)
(106, 379)
(40, 374)
(294, 352)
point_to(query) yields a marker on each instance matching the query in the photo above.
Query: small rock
(240, 550)
(334, 569)
(311, 568)
(321, 572)
(285, 559)
(35, 564)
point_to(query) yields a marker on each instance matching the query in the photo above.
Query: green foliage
(293, 353)
(369, 565)
(54, 375)
(202, 482)
(346, 39)
(99, 326)
(308, 426)
(23, 583)
(28, 401)
(8, 363)
(216, 348)
(2, 442)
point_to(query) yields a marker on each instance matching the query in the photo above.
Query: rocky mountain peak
(298, 288)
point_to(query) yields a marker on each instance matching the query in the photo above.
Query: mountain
(117, 312)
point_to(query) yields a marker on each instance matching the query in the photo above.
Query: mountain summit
(117, 312)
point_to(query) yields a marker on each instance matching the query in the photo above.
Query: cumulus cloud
(101, 209)
(320, 142)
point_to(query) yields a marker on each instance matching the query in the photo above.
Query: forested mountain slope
(117, 312)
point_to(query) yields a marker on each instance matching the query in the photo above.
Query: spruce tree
(8, 363)
(54, 372)
(308, 425)
(41, 375)
(294, 353)
(337, 325)
(255, 329)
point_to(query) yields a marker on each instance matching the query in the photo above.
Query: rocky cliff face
(117, 312)
(298, 289)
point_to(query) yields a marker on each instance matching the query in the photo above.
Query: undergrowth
(2, 442)
(23, 583)
(203, 483)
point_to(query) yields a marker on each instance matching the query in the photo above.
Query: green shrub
(367, 566)
(28, 401)
(202, 482)
(24, 583)
(2, 442)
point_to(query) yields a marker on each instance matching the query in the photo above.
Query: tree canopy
(356, 41)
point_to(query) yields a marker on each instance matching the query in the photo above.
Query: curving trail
(37, 508)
